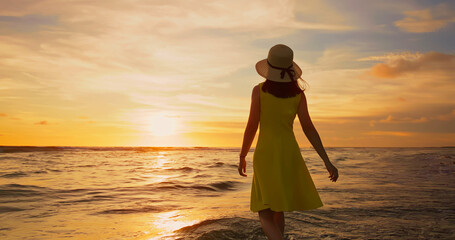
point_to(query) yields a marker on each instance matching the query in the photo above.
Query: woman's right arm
(313, 137)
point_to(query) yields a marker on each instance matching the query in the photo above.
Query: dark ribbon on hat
(288, 70)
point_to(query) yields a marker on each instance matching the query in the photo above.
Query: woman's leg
(278, 217)
(271, 230)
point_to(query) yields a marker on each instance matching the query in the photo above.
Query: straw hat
(279, 65)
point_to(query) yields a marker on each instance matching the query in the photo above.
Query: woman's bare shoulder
(256, 89)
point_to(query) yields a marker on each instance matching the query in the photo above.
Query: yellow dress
(281, 180)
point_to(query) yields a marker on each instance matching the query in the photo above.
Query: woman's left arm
(251, 129)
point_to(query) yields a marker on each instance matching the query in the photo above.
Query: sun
(161, 125)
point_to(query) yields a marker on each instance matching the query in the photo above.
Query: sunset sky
(180, 73)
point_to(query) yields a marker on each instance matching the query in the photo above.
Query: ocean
(196, 193)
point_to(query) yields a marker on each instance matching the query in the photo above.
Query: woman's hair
(282, 89)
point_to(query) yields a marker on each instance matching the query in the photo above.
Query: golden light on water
(159, 162)
(167, 222)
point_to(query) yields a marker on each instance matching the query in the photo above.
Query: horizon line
(81, 146)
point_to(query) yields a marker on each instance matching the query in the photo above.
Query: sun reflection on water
(166, 223)
(157, 165)
(160, 160)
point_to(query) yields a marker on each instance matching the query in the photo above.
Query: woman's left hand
(242, 167)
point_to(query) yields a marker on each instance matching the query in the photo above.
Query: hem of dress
(289, 210)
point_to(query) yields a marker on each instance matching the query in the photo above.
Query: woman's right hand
(333, 171)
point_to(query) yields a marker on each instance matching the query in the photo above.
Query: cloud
(169, 17)
(26, 23)
(426, 20)
(118, 63)
(447, 117)
(398, 66)
(6, 115)
(434, 117)
(392, 56)
(392, 119)
(150, 51)
(42, 123)
(390, 133)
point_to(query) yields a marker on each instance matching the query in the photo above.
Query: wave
(203, 176)
(217, 186)
(18, 190)
(4, 209)
(223, 228)
(145, 209)
(216, 164)
(340, 159)
(226, 185)
(298, 226)
(185, 169)
(14, 175)
(75, 190)
(92, 199)
(197, 187)
(87, 165)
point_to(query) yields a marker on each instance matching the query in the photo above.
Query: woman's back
(278, 112)
(277, 118)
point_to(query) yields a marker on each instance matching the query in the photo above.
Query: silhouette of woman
(281, 180)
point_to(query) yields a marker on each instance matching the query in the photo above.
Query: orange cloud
(392, 119)
(42, 123)
(6, 115)
(425, 62)
(389, 133)
(446, 117)
(426, 20)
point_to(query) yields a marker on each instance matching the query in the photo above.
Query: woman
(281, 180)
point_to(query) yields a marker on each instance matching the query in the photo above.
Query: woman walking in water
(281, 180)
